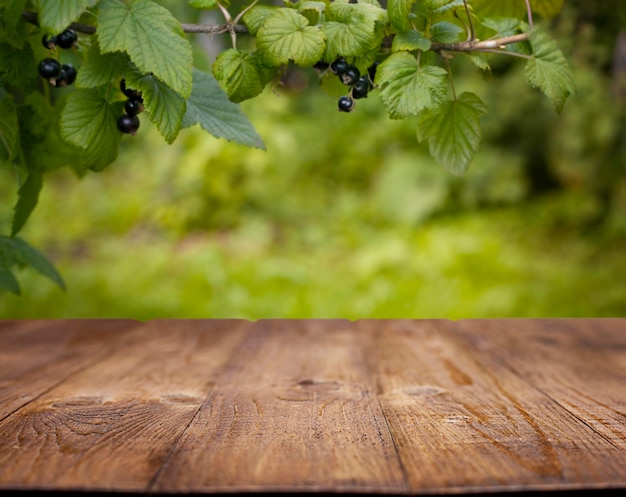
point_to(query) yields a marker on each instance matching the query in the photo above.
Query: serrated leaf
(27, 198)
(479, 61)
(8, 282)
(210, 107)
(548, 70)
(240, 74)
(504, 26)
(256, 16)
(406, 88)
(286, 36)
(445, 32)
(15, 251)
(350, 29)
(206, 4)
(55, 15)
(89, 121)
(398, 12)
(164, 106)
(409, 41)
(312, 11)
(439, 7)
(151, 36)
(99, 69)
(453, 131)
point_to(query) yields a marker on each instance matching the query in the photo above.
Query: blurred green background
(346, 215)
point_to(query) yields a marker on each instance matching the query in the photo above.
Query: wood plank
(37, 354)
(464, 422)
(579, 363)
(294, 410)
(111, 426)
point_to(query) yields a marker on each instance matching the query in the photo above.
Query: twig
(530, 13)
(479, 46)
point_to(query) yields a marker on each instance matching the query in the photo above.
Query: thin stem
(449, 68)
(530, 13)
(471, 23)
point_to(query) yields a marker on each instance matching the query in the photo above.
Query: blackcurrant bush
(49, 41)
(49, 68)
(351, 76)
(128, 124)
(67, 76)
(132, 106)
(134, 94)
(346, 104)
(67, 38)
(339, 66)
(361, 87)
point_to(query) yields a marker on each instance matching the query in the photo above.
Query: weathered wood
(35, 355)
(294, 409)
(464, 420)
(112, 425)
(407, 407)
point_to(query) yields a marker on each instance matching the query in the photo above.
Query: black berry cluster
(51, 69)
(129, 121)
(360, 85)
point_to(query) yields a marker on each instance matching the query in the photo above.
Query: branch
(210, 29)
(479, 46)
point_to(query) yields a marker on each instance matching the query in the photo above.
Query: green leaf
(205, 4)
(312, 10)
(9, 126)
(151, 36)
(11, 22)
(89, 121)
(398, 11)
(163, 105)
(99, 69)
(286, 36)
(547, 8)
(240, 74)
(27, 198)
(210, 107)
(55, 15)
(453, 131)
(499, 8)
(445, 32)
(15, 251)
(18, 67)
(504, 26)
(256, 16)
(8, 281)
(409, 41)
(406, 88)
(548, 70)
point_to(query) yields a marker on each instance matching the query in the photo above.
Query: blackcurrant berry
(67, 75)
(351, 76)
(346, 104)
(361, 87)
(49, 68)
(128, 124)
(49, 41)
(67, 38)
(339, 66)
(134, 94)
(132, 106)
(321, 65)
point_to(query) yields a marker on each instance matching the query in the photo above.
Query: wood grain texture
(404, 407)
(293, 410)
(112, 425)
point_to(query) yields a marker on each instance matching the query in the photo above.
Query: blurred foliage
(346, 215)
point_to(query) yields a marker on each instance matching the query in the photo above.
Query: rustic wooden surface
(403, 407)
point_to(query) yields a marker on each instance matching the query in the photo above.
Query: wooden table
(313, 406)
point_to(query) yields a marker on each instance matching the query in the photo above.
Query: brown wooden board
(293, 410)
(111, 425)
(36, 355)
(462, 420)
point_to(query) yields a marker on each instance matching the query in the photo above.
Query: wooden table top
(404, 407)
